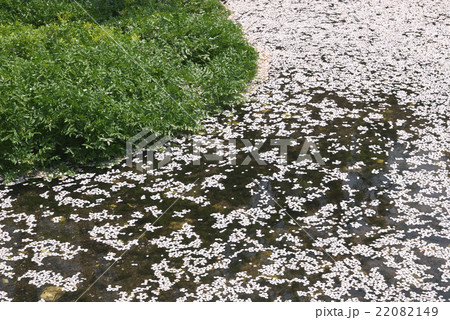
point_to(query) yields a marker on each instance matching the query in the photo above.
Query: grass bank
(72, 91)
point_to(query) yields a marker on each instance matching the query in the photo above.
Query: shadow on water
(366, 186)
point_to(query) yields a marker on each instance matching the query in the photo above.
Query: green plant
(72, 91)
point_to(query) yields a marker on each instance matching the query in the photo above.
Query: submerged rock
(52, 293)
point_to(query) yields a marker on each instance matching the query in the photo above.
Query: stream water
(371, 223)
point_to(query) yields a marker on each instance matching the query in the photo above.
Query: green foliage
(72, 91)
